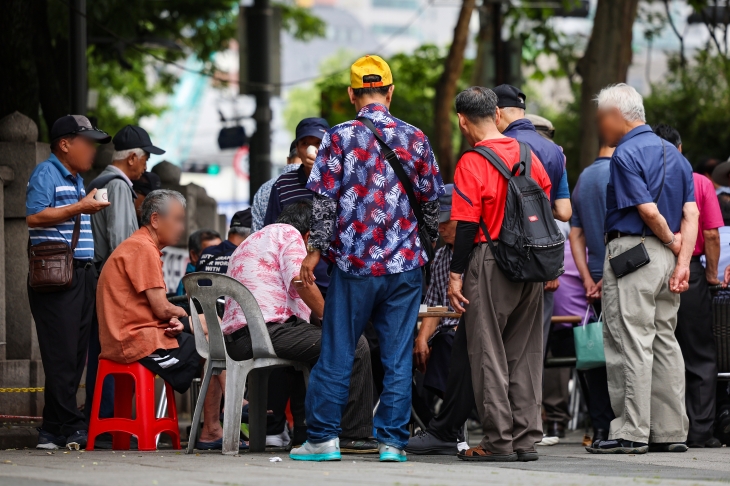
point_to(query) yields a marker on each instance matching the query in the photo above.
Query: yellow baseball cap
(370, 65)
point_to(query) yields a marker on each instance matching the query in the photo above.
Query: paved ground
(565, 464)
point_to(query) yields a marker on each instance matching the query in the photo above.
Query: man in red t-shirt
(503, 318)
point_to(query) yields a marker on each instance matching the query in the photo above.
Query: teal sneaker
(391, 454)
(326, 451)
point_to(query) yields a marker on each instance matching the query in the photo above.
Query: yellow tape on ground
(28, 390)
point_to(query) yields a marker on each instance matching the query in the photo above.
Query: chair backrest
(206, 288)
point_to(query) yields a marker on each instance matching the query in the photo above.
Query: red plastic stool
(132, 379)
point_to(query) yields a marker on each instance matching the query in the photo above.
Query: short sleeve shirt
(266, 263)
(436, 294)
(51, 185)
(637, 166)
(709, 206)
(480, 190)
(128, 329)
(376, 230)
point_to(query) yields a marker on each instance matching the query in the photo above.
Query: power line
(161, 59)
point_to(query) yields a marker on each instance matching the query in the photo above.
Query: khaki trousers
(504, 341)
(643, 360)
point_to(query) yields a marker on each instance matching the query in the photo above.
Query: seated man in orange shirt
(137, 323)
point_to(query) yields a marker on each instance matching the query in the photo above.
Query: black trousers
(63, 321)
(459, 395)
(695, 337)
(599, 407)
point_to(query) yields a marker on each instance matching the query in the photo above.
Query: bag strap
(77, 230)
(400, 172)
(661, 188)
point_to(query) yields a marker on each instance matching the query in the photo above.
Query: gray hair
(123, 154)
(625, 98)
(477, 104)
(158, 202)
(241, 231)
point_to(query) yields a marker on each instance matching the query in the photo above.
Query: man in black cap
(215, 258)
(291, 187)
(260, 200)
(132, 149)
(57, 206)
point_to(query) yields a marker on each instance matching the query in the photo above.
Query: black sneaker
(48, 441)
(358, 446)
(77, 440)
(527, 455)
(424, 443)
(668, 447)
(618, 446)
(713, 443)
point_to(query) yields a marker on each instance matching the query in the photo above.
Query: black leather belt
(612, 235)
(85, 264)
(236, 335)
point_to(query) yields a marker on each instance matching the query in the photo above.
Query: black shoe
(555, 429)
(358, 446)
(527, 455)
(77, 440)
(48, 441)
(424, 443)
(600, 435)
(711, 443)
(618, 446)
(668, 447)
(723, 421)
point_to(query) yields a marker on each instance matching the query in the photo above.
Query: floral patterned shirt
(266, 263)
(362, 215)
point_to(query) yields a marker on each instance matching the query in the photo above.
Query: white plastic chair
(205, 288)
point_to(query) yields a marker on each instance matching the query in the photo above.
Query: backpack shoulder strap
(493, 159)
(526, 158)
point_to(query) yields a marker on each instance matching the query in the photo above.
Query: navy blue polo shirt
(51, 185)
(589, 211)
(636, 176)
(548, 152)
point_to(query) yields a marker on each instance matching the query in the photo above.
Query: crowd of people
(359, 230)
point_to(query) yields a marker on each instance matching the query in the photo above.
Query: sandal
(478, 453)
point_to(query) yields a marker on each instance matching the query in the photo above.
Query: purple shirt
(570, 298)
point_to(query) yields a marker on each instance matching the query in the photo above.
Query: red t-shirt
(481, 191)
(709, 206)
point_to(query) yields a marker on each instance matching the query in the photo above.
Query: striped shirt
(288, 188)
(261, 199)
(51, 185)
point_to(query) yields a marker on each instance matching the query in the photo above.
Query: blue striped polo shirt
(51, 185)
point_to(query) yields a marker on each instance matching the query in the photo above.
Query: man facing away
(132, 149)
(362, 217)
(261, 198)
(694, 319)
(268, 263)
(643, 359)
(503, 318)
(55, 198)
(137, 323)
(586, 233)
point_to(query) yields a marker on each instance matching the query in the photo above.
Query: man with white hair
(650, 232)
(132, 149)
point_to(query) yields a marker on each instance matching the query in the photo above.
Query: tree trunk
(606, 61)
(446, 90)
(19, 86)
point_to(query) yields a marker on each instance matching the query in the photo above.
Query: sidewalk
(566, 464)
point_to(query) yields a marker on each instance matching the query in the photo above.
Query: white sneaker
(548, 441)
(391, 454)
(278, 440)
(326, 451)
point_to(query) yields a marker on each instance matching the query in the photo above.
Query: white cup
(101, 195)
(311, 150)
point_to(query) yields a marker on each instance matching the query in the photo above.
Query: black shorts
(437, 371)
(176, 366)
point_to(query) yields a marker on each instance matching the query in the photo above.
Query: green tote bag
(588, 339)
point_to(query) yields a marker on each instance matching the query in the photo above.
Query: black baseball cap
(242, 219)
(132, 137)
(312, 127)
(78, 125)
(147, 183)
(509, 96)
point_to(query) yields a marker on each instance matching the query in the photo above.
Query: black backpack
(530, 245)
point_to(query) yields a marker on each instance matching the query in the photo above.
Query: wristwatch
(670, 243)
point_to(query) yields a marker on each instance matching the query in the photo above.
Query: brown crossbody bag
(51, 263)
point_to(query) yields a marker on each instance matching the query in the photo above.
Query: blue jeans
(391, 302)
